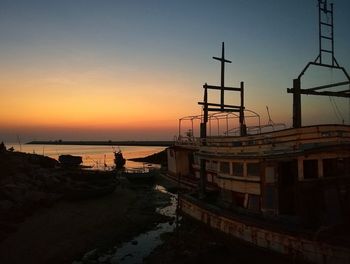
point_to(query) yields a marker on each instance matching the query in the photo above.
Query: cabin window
(310, 169)
(196, 159)
(254, 202)
(269, 197)
(253, 169)
(336, 167)
(211, 165)
(344, 167)
(237, 169)
(225, 167)
(269, 175)
(207, 165)
(329, 167)
(238, 199)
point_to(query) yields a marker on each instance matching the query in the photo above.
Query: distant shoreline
(105, 143)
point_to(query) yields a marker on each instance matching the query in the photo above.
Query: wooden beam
(345, 94)
(214, 87)
(212, 104)
(327, 86)
(223, 110)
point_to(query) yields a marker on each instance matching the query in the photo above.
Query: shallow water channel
(135, 250)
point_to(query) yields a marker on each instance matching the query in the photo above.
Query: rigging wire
(336, 110)
(334, 104)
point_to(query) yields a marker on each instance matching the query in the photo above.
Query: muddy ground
(69, 229)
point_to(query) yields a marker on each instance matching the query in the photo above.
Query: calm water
(95, 156)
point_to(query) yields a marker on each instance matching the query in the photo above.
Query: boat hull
(295, 245)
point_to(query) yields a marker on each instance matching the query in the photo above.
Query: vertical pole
(203, 135)
(241, 113)
(192, 132)
(332, 33)
(296, 103)
(222, 75)
(319, 30)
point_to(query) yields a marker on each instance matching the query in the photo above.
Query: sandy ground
(69, 229)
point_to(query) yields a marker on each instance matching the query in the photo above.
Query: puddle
(139, 247)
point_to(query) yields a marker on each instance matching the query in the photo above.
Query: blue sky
(126, 48)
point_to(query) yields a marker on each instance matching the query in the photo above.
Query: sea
(95, 157)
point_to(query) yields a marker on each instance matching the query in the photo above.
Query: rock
(91, 255)
(6, 205)
(35, 196)
(13, 192)
(134, 242)
(105, 259)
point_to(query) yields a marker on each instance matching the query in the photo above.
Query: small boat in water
(143, 175)
(70, 160)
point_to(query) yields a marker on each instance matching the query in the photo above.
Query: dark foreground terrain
(39, 223)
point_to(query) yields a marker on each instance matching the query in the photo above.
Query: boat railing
(186, 140)
(276, 137)
(255, 130)
(301, 137)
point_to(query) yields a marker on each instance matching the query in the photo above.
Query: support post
(242, 125)
(203, 136)
(222, 95)
(296, 103)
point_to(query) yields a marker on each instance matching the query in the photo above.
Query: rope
(336, 110)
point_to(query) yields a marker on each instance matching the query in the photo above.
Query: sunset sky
(128, 69)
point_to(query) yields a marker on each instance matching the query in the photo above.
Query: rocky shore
(41, 223)
(157, 158)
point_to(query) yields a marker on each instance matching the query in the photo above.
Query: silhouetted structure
(326, 47)
(2, 147)
(119, 160)
(70, 160)
(287, 190)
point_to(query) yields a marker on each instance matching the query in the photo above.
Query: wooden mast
(218, 107)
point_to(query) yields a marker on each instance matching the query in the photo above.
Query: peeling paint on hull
(294, 245)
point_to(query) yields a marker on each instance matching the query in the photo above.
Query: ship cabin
(301, 175)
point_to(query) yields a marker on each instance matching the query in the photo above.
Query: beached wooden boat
(142, 175)
(70, 160)
(286, 190)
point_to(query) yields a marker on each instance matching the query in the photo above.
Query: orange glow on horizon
(99, 103)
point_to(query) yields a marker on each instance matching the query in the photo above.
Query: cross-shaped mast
(222, 60)
(222, 107)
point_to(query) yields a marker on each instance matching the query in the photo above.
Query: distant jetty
(105, 143)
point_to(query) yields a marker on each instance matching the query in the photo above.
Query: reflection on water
(98, 157)
(138, 248)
